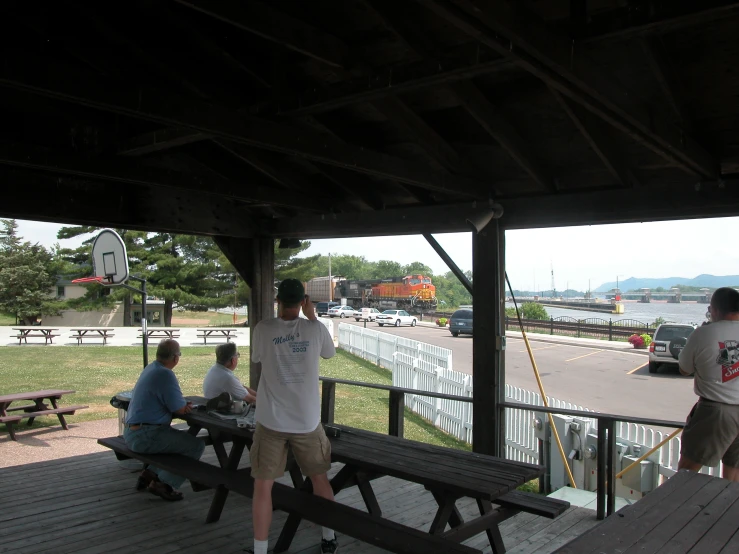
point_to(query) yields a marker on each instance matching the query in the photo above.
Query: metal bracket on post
(142, 292)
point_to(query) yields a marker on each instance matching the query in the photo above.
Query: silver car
(669, 340)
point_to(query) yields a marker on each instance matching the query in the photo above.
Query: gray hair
(167, 350)
(224, 352)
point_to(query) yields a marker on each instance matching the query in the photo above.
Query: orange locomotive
(413, 293)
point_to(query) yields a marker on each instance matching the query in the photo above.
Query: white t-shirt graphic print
(711, 354)
(288, 398)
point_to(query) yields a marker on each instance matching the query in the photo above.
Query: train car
(413, 293)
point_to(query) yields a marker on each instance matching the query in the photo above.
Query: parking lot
(596, 378)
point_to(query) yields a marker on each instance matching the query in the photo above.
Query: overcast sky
(599, 253)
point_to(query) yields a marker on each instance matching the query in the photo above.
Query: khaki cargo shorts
(268, 453)
(711, 434)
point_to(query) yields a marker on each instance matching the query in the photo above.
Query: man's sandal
(145, 477)
(163, 490)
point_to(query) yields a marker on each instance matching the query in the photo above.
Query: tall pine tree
(27, 277)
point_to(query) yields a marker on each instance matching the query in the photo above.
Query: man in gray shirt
(220, 378)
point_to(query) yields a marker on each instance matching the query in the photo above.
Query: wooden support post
(488, 432)
(328, 401)
(262, 305)
(397, 409)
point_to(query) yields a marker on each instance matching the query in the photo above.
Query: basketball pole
(142, 292)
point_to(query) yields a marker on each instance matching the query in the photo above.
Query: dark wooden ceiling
(361, 117)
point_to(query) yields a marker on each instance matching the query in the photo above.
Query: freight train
(413, 293)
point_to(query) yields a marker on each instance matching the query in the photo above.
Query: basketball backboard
(109, 258)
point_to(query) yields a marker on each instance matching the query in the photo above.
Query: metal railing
(606, 446)
(590, 327)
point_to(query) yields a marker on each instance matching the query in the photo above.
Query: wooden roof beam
(591, 128)
(72, 200)
(517, 34)
(64, 83)
(495, 124)
(126, 172)
(667, 17)
(263, 20)
(667, 78)
(159, 140)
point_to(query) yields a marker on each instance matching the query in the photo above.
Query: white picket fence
(425, 367)
(380, 348)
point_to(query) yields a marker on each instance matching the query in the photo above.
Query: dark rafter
(597, 138)
(73, 200)
(263, 20)
(495, 124)
(62, 83)
(503, 27)
(161, 139)
(666, 76)
(663, 18)
(125, 172)
(470, 97)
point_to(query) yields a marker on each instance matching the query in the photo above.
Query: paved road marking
(584, 356)
(542, 348)
(637, 368)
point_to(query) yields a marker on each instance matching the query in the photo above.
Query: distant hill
(634, 283)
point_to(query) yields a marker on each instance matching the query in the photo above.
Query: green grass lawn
(7, 319)
(98, 373)
(212, 319)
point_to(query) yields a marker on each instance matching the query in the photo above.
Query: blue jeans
(162, 439)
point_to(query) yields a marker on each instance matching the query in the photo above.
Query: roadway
(603, 380)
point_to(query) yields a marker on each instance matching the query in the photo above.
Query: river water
(686, 312)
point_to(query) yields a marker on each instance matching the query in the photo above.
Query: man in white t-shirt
(712, 355)
(221, 378)
(289, 407)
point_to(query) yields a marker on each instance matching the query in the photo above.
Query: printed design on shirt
(291, 366)
(728, 359)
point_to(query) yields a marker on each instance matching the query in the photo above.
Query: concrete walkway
(124, 336)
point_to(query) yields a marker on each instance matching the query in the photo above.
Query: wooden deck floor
(87, 504)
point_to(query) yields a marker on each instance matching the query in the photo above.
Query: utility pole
(554, 289)
(330, 281)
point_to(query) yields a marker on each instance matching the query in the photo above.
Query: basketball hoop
(88, 280)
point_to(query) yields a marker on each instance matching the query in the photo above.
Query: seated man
(155, 398)
(221, 378)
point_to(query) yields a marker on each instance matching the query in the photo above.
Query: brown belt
(137, 426)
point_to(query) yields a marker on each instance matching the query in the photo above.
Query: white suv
(669, 340)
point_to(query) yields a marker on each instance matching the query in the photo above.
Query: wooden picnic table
(27, 331)
(448, 474)
(217, 332)
(32, 411)
(81, 333)
(691, 512)
(160, 333)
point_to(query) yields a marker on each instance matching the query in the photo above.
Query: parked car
(341, 311)
(396, 317)
(461, 322)
(669, 340)
(322, 308)
(366, 314)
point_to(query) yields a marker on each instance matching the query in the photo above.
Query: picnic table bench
(448, 474)
(34, 331)
(691, 512)
(216, 332)
(160, 333)
(37, 409)
(81, 333)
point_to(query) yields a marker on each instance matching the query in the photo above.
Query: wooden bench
(48, 338)
(533, 503)
(159, 335)
(343, 519)
(91, 333)
(30, 413)
(216, 333)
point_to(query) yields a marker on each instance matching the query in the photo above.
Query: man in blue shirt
(156, 397)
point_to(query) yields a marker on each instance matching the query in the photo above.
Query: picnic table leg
(293, 520)
(447, 507)
(11, 431)
(494, 537)
(8, 425)
(455, 518)
(368, 495)
(219, 499)
(60, 416)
